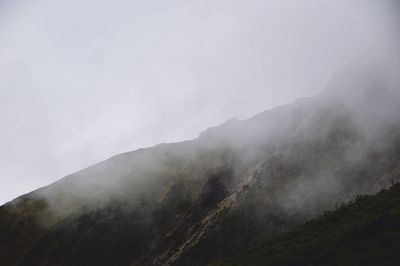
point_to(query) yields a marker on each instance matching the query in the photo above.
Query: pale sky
(83, 80)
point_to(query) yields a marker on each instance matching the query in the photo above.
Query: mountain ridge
(235, 186)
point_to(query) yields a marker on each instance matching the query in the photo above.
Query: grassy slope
(363, 232)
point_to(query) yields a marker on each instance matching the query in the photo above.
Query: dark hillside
(365, 231)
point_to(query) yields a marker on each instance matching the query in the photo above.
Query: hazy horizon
(81, 81)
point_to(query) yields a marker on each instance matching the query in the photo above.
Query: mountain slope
(237, 185)
(363, 232)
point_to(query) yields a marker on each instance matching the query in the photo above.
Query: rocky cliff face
(237, 185)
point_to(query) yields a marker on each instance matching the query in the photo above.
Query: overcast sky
(82, 80)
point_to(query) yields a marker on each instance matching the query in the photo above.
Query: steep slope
(363, 232)
(236, 186)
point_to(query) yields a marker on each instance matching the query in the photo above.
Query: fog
(81, 81)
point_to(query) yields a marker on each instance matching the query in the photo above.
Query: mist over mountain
(83, 80)
(235, 186)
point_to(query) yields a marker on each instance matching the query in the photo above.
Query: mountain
(234, 187)
(363, 232)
